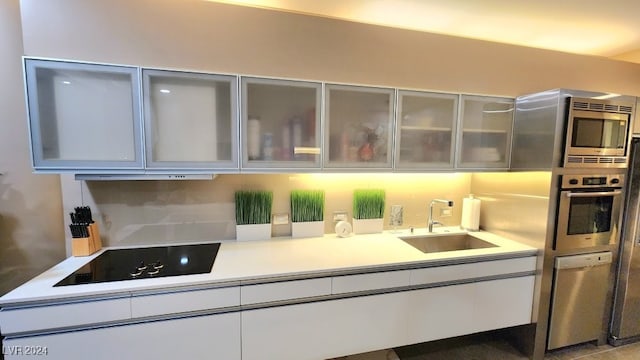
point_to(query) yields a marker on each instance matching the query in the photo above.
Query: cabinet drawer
(295, 289)
(473, 270)
(373, 281)
(184, 301)
(193, 338)
(325, 329)
(64, 315)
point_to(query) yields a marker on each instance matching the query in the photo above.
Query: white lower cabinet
(449, 311)
(334, 328)
(64, 315)
(325, 329)
(440, 312)
(184, 301)
(285, 290)
(313, 330)
(373, 281)
(502, 303)
(202, 337)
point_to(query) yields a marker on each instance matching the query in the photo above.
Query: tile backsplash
(165, 212)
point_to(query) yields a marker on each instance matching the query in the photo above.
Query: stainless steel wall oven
(588, 211)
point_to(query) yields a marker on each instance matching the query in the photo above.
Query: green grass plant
(307, 205)
(368, 203)
(253, 207)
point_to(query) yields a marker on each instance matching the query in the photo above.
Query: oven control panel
(592, 181)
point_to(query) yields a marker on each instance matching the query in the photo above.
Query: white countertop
(259, 260)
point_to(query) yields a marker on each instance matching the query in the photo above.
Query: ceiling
(590, 27)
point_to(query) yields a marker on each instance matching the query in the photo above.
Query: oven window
(598, 133)
(590, 215)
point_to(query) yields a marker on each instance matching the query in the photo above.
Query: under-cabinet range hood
(119, 177)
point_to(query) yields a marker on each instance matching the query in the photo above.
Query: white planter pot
(367, 226)
(307, 229)
(253, 232)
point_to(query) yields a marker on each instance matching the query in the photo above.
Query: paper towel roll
(470, 214)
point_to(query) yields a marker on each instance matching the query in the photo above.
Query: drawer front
(473, 270)
(285, 290)
(325, 329)
(373, 281)
(64, 315)
(184, 301)
(192, 338)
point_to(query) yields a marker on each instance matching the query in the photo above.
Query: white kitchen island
(309, 298)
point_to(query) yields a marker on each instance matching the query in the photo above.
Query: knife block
(88, 245)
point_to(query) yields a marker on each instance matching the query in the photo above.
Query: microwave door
(597, 134)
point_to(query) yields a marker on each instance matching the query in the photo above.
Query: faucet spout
(431, 221)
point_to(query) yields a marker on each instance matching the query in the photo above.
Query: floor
(485, 347)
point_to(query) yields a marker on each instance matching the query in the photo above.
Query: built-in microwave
(597, 133)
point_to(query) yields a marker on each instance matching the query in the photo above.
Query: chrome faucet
(432, 222)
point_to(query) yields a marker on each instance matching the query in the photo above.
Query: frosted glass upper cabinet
(280, 124)
(83, 117)
(485, 139)
(190, 120)
(425, 130)
(359, 124)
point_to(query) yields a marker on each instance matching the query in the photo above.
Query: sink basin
(441, 243)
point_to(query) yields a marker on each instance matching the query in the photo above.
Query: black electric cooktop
(145, 263)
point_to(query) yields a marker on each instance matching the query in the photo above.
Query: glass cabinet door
(83, 116)
(485, 137)
(358, 127)
(425, 130)
(280, 124)
(190, 120)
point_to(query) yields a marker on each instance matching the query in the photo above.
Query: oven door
(588, 218)
(597, 133)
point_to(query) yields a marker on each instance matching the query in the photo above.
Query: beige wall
(197, 34)
(31, 232)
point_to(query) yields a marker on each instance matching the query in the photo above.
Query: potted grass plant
(307, 213)
(368, 211)
(253, 215)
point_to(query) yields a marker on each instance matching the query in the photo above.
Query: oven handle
(593, 194)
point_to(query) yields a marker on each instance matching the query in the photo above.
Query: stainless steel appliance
(579, 299)
(564, 128)
(145, 263)
(563, 132)
(597, 132)
(625, 325)
(588, 211)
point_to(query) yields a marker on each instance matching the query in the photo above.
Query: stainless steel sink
(441, 243)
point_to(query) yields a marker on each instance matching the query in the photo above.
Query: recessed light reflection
(165, 91)
(66, 82)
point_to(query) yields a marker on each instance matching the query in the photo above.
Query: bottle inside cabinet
(359, 126)
(282, 123)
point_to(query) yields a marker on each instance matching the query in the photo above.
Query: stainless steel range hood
(120, 177)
